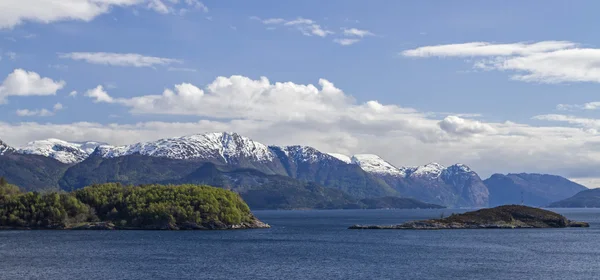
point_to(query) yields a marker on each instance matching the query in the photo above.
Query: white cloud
(41, 112)
(346, 41)
(544, 62)
(119, 59)
(99, 94)
(307, 27)
(578, 121)
(587, 106)
(357, 32)
(73, 93)
(487, 49)
(30, 113)
(25, 83)
(15, 12)
(159, 7)
(197, 4)
(181, 69)
(459, 126)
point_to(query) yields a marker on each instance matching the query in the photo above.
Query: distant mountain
(308, 164)
(456, 185)
(535, 189)
(584, 199)
(63, 151)
(360, 176)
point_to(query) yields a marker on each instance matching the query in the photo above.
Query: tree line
(125, 206)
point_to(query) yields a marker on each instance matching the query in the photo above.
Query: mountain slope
(584, 199)
(261, 191)
(535, 189)
(311, 165)
(31, 172)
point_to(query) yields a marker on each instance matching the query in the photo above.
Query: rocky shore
(502, 217)
(111, 226)
(256, 224)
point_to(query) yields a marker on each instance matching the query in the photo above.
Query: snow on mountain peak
(433, 170)
(63, 151)
(4, 148)
(224, 145)
(375, 164)
(458, 168)
(341, 157)
(302, 153)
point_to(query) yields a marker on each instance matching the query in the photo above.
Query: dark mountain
(31, 172)
(584, 199)
(259, 190)
(535, 189)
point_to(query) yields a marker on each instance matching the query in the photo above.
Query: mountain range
(266, 176)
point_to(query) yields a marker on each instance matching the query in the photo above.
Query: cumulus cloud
(119, 59)
(543, 62)
(244, 98)
(459, 126)
(15, 12)
(99, 94)
(26, 83)
(307, 27)
(40, 112)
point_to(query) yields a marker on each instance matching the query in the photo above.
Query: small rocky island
(114, 206)
(507, 216)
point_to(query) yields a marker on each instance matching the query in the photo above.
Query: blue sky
(488, 95)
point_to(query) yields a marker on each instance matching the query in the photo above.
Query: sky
(509, 86)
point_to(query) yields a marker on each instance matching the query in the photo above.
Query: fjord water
(309, 245)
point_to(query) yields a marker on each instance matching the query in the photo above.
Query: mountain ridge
(171, 159)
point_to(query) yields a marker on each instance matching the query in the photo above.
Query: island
(115, 206)
(501, 217)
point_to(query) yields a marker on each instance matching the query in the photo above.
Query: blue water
(309, 245)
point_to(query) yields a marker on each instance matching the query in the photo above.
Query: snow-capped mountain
(344, 158)
(431, 170)
(226, 146)
(4, 148)
(362, 175)
(376, 165)
(63, 151)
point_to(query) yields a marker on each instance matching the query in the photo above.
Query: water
(309, 245)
